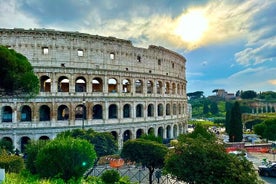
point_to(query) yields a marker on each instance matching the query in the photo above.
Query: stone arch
(151, 131)
(44, 113)
(138, 86)
(112, 85)
(126, 86)
(23, 142)
(174, 109)
(168, 109)
(167, 88)
(115, 135)
(139, 133)
(126, 111)
(174, 131)
(97, 85)
(178, 89)
(63, 112)
(127, 135)
(160, 109)
(160, 132)
(80, 112)
(6, 114)
(150, 110)
(8, 139)
(179, 108)
(112, 111)
(63, 84)
(97, 111)
(26, 113)
(139, 111)
(45, 83)
(149, 87)
(80, 84)
(168, 129)
(159, 87)
(173, 88)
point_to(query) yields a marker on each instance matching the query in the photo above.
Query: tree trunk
(151, 170)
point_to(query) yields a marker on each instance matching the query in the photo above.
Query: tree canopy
(235, 126)
(249, 94)
(150, 154)
(266, 129)
(16, 74)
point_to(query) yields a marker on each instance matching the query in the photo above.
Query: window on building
(45, 50)
(172, 65)
(112, 56)
(80, 52)
(159, 61)
(139, 58)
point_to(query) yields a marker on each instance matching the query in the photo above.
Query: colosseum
(91, 81)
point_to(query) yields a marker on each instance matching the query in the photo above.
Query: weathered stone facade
(95, 82)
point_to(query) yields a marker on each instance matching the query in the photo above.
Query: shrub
(110, 176)
(65, 158)
(11, 163)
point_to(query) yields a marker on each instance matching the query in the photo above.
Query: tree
(250, 94)
(214, 108)
(266, 129)
(195, 95)
(16, 73)
(199, 160)
(149, 153)
(104, 143)
(67, 158)
(235, 124)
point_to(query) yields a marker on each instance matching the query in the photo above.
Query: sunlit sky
(228, 44)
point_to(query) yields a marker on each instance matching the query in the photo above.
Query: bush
(110, 176)
(11, 163)
(65, 158)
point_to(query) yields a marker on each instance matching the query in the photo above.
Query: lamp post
(83, 110)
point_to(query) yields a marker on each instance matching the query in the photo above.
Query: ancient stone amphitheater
(90, 81)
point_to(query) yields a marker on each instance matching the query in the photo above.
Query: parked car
(268, 169)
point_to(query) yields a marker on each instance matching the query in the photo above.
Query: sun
(191, 26)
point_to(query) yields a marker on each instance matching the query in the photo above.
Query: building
(89, 81)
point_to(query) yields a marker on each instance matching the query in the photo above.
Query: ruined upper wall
(50, 48)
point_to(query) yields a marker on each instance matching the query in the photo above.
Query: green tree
(250, 94)
(266, 129)
(199, 160)
(67, 158)
(149, 153)
(104, 142)
(110, 176)
(16, 73)
(235, 124)
(6, 145)
(214, 108)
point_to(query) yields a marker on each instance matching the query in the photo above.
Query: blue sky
(228, 44)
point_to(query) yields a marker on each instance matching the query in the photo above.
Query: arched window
(44, 113)
(174, 109)
(139, 133)
(138, 86)
(97, 112)
(63, 112)
(159, 87)
(167, 88)
(80, 112)
(139, 110)
(150, 110)
(126, 135)
(45, 84)
(26, 113)
(149, 87)
(126, 111)
(97, 85)
(6, 114)
(160, 110)
(126, 86)
(80, 84)
(168, 109)
(112, 111)
(112, 85)
(63, 84)
(173, 88)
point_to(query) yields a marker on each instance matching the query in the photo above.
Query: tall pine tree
(235, 124)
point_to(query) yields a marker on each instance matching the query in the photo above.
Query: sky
(228, 44)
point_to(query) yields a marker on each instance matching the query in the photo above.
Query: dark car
(267, 170)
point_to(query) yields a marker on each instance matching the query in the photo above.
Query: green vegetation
(266, 129)
(11, 163)
(198, 158)
(16, 73)
(234, 126)
(110, 176)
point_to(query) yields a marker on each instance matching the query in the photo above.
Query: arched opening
(173, 88)
(179, 109)
(7, 143)
(138, 86)
(44, 113)
(151, 131)
(26, 113)
(160, 110)
(24, 141)
(126, 86)
(149, 87)
(45, 84)
(112, 85)
(115, 135)
(63, 112)
(169, 132)
(167, 88)
(174, 131)
(80, 112)
(63, 84)
(178, 89)
(97, 112)
(44, 137)
(126, 135)
(150, 110)
(126, 111)
(80, 84)
(97, 85)
(159, 87)
(139, 110)
(160, 132)
(112, 111)
(168, 109)
(174, 109)
(6, 114)
(139, 133)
